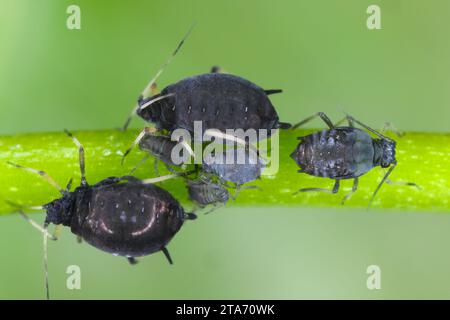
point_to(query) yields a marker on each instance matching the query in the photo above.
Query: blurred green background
(323, 57)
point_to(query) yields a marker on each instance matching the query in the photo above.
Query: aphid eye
(57, 206)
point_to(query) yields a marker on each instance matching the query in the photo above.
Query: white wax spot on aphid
(107, 152)
(120, 153)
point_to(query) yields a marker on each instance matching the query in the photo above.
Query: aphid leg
(132, 260)
(33, 223)
(147, 90)
(138, 139)
(228, 137)
(159, 179)
(334, 190)
(140, 163)
(170, 169)
(386, 176)
(69, 185)
(43, 174)
(322, 116)
(155, 166)
(239, 187)
(215, 207)
(80, 157)
(37, 226)
(47, 290)
(354, 188)
(340, 122)
(57, 231)
(403, 183)
(167, 254)
(375, 132)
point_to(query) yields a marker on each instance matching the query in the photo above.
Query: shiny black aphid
(237, 172)
(205, 192)
(220, 101)
(344, 153)
(120, 215)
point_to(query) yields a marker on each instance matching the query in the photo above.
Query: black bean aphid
(219, 101)
(120, 215)
(205, 192)
(344, 153)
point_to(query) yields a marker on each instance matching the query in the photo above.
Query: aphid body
(219, 101)
(206, 192)
(344, 153)
(237, 171)
(120, 215)
(129, 219)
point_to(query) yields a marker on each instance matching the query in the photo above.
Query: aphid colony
(132, 218)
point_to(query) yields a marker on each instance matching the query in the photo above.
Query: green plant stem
(423, 158)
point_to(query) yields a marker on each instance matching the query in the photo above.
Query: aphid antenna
(46, 235)
(375, 132)
(20, 209)
(41, 173)
(150, 102)
(147, 89)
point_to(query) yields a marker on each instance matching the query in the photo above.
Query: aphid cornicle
(124, 216)
(344, 153)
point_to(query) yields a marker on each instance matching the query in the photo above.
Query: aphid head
(387, 152)
(59, 211)
(150, 108)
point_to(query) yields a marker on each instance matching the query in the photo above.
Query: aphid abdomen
(130, 219)
(220, 101)
(234, 171)
(206, 193)
(340, 153)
